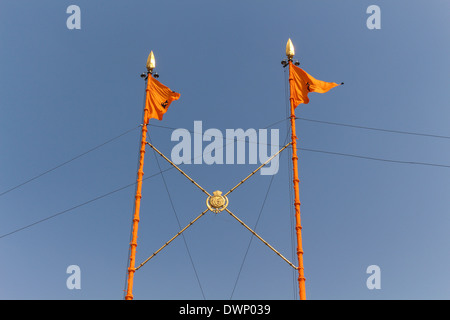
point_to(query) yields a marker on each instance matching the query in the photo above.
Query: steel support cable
(67, 210)
(375, 159)
(251, 239)
(179, 225)
(68, 161)
(173, 238)
(263, 241)
(375, 129)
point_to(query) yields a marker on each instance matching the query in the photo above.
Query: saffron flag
(159, 97)
(303, 83)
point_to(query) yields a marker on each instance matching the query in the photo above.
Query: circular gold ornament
(217, 202)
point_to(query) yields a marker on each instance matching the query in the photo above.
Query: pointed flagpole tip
(290, 51)
(151, 62)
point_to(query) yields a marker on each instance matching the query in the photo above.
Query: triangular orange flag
(159, 97)
(303, 83)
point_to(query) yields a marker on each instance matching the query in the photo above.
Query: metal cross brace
(217, 203)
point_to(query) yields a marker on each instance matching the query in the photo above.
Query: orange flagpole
(298, 226)
(138, 196)
(137, 205)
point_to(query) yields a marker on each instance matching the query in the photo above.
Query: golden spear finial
(151, 62)
(290, 51)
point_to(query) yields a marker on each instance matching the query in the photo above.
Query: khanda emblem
(217, 202)
(164, 104)
(307, 86)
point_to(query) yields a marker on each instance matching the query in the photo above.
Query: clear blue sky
(63, 92)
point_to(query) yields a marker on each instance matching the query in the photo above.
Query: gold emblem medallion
(217, 202)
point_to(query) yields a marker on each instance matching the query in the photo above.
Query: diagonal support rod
(173, 238)
(264, 241)
(257, 169)
(176, 167)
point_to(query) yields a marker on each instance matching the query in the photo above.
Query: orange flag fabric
(159, 97)
(303, 83)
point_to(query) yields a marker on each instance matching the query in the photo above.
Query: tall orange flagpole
(140, 174)
(298, 227)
